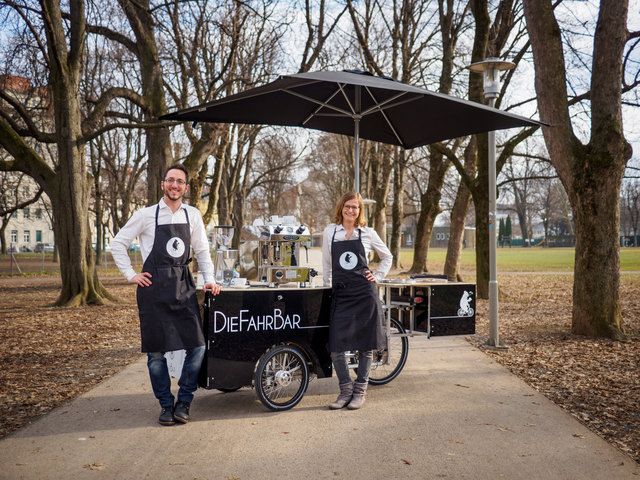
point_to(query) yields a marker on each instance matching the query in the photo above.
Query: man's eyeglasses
(179, 181)
(351, 207)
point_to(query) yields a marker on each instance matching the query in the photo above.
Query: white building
(29, 226)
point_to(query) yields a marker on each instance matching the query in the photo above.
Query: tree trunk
(591, 174)
(380, 190)
(481, 205)
(397, 208)
(429, 210)
(3, 241)
(158, 140)
(596, 285)
(69, 191)
(479, 189)
(458, 217)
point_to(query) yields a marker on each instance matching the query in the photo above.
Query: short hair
(177, 166)
(361, 221)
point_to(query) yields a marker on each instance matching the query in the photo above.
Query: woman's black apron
(357, 322)
(169, 311)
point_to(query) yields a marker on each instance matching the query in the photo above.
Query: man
(166, 294)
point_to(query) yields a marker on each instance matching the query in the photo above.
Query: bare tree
(630, 210)
(58, 45)
(272, 175)
(16, 193)
(143, 46)
(591, 173)
(522, 175)
(498, 38)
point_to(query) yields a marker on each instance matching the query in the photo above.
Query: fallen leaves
(596, 380)
(51, 355)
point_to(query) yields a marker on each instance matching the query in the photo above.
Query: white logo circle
(348, 260)
(175, 247)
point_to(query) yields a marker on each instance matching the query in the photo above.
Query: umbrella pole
(357, 154)
(356, 120)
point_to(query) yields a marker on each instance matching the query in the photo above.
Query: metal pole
(494, 339)
(357, 140)
(356, 120)
(490, 69)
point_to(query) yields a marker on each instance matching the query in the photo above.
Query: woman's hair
(360, 220)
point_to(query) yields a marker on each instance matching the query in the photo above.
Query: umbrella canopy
(356, 104)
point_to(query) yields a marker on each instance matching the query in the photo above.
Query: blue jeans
(161, 381)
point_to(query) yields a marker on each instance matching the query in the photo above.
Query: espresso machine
(279, 252)
(226, 259)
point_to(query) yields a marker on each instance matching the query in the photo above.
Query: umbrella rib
(354, 114)
(388, 104)
(319, 103)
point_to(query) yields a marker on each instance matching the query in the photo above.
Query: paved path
(452, 413)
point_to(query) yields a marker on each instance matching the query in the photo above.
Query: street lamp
(490, 69)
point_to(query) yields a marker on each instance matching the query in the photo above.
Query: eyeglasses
(179, 181)
(355, 208)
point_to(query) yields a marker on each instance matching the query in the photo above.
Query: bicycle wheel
(383, 371)
(282, 377)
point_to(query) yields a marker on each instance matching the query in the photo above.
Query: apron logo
(175, 247)
(348, 260)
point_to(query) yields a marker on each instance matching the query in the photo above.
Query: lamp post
(490, 69)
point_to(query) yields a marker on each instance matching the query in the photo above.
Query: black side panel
(453, 309)
(241, 325)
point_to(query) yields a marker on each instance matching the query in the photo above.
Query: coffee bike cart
(273, 334)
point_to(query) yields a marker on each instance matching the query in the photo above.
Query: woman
(357, 322)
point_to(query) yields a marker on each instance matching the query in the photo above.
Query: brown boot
(359, 391)
(346, 392)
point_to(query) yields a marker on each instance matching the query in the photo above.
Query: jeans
(161, 382)
(342, 369)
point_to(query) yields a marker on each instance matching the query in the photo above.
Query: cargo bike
(276, 339)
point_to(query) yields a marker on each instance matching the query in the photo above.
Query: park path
(452, 413)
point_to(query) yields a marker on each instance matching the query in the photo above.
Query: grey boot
(346, 391)
(359, 391)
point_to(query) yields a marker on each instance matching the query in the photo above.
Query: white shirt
(143, 225)
(371, 242)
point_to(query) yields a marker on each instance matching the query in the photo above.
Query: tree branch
(102, 103)
(24, 204)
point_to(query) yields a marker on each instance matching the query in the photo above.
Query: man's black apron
(169, 312)
(357, 321)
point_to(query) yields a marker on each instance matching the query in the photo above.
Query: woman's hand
(369, 276)
(142, 279)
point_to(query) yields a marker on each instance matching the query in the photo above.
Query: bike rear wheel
(388, 362)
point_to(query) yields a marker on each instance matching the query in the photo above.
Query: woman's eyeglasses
(351, 207)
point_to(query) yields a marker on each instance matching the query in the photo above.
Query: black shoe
(166, 416)
(181, 412)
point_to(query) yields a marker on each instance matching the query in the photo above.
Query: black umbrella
(357, 104)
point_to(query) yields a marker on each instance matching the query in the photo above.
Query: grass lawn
(519, 259)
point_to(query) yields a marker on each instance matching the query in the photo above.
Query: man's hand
(142, 279)
(212, 287)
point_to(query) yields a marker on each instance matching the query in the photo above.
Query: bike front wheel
(282, 377)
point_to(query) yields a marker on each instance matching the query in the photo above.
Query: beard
(173, 194)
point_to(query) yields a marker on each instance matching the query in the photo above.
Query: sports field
(519, 259)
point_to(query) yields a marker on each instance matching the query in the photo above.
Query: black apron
(169, 311)
(357, 321)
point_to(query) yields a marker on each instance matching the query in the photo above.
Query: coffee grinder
(226, 260)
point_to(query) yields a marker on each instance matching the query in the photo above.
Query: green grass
(519, 259)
